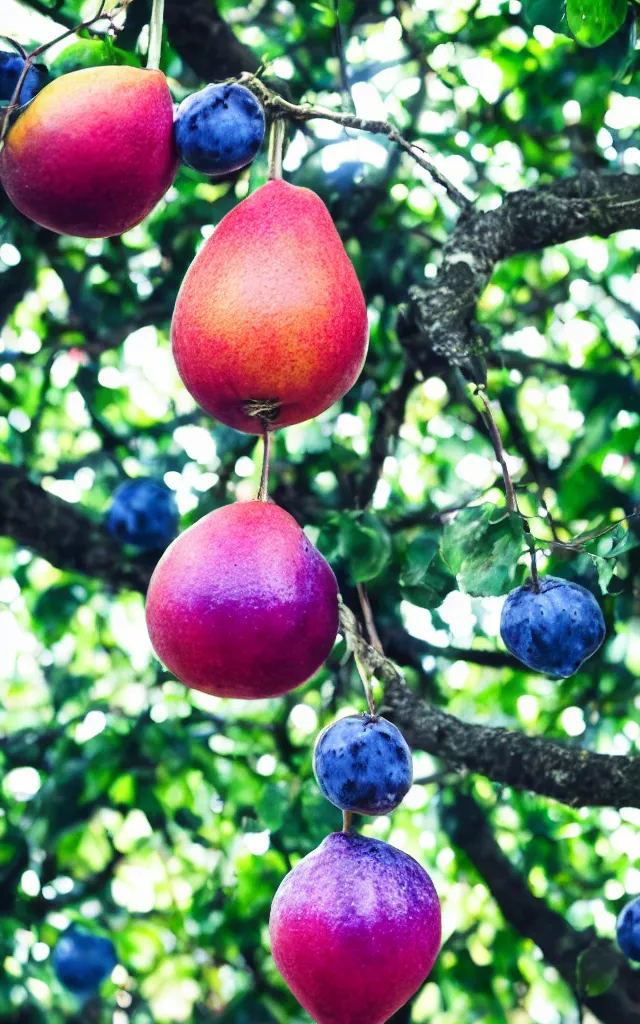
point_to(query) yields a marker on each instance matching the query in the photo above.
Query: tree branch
(57, 531)
(440, 317)
(67, 538)
(560, 943)
(507, 756)
(205, 41)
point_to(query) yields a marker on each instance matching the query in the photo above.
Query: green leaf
(482, 546)
(365, 546)
(550, 13)
(596, 970)
(594, 21)
(420, 554)
(273, 805)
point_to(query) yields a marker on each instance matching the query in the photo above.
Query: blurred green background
(167, 818)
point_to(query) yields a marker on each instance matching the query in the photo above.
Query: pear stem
(155, 35)
(276, 147)
(263, 493)
(347, 818)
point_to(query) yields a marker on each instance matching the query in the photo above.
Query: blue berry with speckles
(220, 129)
(554, 630)
(144, 513)
(363, 764)
(82, 961)
(11, 65)
(628, 930)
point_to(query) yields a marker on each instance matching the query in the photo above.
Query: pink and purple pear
(242, 604)
(355, 930)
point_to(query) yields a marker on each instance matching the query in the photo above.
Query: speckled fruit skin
(219, 129)
(94, 152)
(82, 961)
(271, 309)
(355, 929)
(363, 764)
(242, 604)
(628, 930)
(553, 631)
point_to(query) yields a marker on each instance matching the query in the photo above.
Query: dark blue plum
(628, 930)
(144, 513)
(11, 65)
(220, 129)
(555, 630)
(82, 961)
(363, 764)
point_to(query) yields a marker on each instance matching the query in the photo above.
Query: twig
(274, 102)
(512, 501)
(347, 818)
(276, 148)
(154, 52)
(496, 440)
(365, 604)
(263, 493)
(344, 70)
(366, 684)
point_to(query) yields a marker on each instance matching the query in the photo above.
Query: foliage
(168, 819)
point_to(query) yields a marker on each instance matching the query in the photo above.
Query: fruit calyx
(264, 409)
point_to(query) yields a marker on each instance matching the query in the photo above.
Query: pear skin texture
(355, 930)
(93, 153)
(242, 605)
(271, 310)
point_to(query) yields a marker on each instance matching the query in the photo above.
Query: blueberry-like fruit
(82, 961)
(628, 930)
(553, 630)
(220, 129)
(11, 65)
(144, 513)
(363, 764)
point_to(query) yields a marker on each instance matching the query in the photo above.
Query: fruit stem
(276, 146)
(512, 501)
(531, 544)
(496, 441)
(347, 818)
(365, 604)
(155, 35)
(366, 682)
(263, 493)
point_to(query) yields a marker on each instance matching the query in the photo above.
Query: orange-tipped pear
(93, 153)
(270, 322)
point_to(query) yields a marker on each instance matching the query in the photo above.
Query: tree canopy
(480, 160)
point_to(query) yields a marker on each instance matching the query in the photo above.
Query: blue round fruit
(628, 930)
(363, 764)
(144, 513)
(11, 65)
(553, 630)
(220, 129)
(82, 961)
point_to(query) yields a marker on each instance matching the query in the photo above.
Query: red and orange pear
(270, 321)
(242, 604)
(94, 152)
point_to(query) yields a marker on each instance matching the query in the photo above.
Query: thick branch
(528, 914)
(440, 318)
(205, 41)
(64, 536)
(508, 756)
